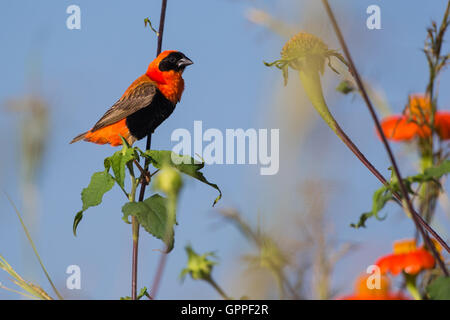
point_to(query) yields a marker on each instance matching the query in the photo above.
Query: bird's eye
(172, 59)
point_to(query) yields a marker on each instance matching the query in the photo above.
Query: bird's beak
(184, 62)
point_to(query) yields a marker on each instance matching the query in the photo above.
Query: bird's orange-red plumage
(110, 134)
(170, 83)
(153, 95)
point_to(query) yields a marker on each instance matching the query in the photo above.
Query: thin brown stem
(135, 232)
(349, 143)
(405, 196)
(381, 178)
(158, 274)
(162, 20)
(146, 173)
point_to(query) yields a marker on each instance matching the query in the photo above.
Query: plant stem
(405, 196)
(171, 210)
(135, 234)
(162, 20)
(309, 76)
(163, 257)
(159, 272)
(429, 191)
(412, 289)
(437, 52)
(410, 282)
(310, 79)
(222, 293)
(145, 176)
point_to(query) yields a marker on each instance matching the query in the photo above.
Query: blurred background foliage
(286, 236)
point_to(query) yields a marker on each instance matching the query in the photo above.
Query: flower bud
(168, 181)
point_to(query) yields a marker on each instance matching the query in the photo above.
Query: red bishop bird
(147, 102)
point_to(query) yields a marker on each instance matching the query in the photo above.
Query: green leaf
(142, 293)
(101, 182)
(379, 200)
(184, 164)
(118, 162)
(433, 172)
(362, 220)
(76, 222)
(153, 215)
(439, 289)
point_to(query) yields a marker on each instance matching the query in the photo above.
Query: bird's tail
(110, 134)
(79, 137)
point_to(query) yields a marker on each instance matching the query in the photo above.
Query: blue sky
(84, 71)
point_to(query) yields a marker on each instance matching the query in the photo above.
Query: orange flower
(365, 290)
(406, 257)
(414, 122)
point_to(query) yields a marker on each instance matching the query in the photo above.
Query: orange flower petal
(388, 296)
(404, 246)
(418, 260)
(419, 106)
(411, 263)
(398, 128)
(391, 263)
(363, 292)
(442, 124)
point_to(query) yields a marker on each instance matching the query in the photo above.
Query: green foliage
(142, 293)
(379, 200)
(385, 193)
(434, 173)
(156, 213)
(439, 289)
(184, 164)
(118, 162)
(101, 182)
(153, 215)
(199, 267)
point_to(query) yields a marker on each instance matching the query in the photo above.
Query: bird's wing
(135, 98)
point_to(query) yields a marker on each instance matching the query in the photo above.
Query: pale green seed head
(302, 50)
(305, 48)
